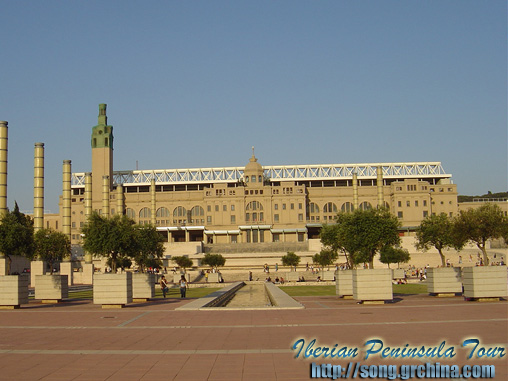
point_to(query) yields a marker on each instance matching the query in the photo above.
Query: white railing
(274, 173)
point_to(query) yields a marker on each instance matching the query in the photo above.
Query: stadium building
(251, 208)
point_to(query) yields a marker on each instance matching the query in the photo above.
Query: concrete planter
(143, 286)
(36, 268)
(398, 274)
(214, 278)
(88, 271)
(112, 290)
(344, 284)
(51, 288)
(327, 275)
(66, 269)
(444, 281)
(372, 285)
(177, 277)
(13, 291)
(485, 282)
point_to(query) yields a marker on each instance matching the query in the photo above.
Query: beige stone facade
(255, 204)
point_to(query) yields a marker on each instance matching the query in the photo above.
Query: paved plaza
(77, 340)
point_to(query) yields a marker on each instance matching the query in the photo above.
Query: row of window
(425, 214)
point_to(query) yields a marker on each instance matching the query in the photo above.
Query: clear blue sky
(197, 83)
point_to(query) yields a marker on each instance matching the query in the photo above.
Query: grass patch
(198, 292)
(172, 293)
(410, 288)
(309, 290)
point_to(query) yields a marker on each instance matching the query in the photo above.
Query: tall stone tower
(102, 156)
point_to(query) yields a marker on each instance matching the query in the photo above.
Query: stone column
(379, 184)
(119, 200)
(3, 186)
(38, 186)
(38, 267)
(88, 213)
(66, 199)
(66, 265)
(105, 196)
(3, 166)
(355, 191)
(88, 195)
(154, 207)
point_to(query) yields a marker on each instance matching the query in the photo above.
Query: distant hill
(499, 195)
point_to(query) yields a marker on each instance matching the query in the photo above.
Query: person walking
(164, 286)
(183, 286)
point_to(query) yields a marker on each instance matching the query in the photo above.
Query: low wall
(280, 299)
(182, 248)
(260, 247)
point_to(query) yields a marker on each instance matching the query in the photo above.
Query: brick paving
(77, 340)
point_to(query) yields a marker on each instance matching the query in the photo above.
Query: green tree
(183, 262)
(363, 233)
(290, 259)
(325, 257)
(51, 246)
(480, 225)
(17, 235)
(149, 247)
(390, 254)
(110, 237)
(437, 231)
(213, 260)
(332, 238)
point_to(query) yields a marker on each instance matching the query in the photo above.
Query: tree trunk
(484, 252)
(443, 259)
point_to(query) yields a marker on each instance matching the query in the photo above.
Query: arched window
(144, 213)
(313, 212)
(144, 216)
(197, 215)
(130, 213)
(386, 205)
(329, 211)
(180, 211)
(330, 207)
(163, 212)
(197, 211)
(256, 216)
(313, 208)
(347, 207)
(162, 217)
(254, 205)
(365, 205)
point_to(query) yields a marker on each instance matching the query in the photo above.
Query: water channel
(250, 296)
